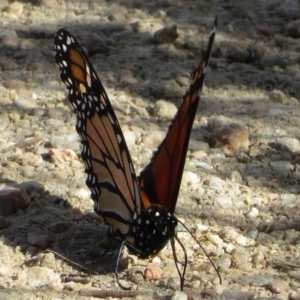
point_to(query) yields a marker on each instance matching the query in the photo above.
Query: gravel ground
(239, 193)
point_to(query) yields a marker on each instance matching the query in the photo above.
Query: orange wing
(160, 180)
(111, 177)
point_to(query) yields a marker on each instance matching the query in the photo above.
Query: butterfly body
(139, 210)
(151, 231)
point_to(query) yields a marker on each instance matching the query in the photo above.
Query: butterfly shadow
(50, 225)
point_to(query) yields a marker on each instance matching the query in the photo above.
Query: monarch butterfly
(139, 210)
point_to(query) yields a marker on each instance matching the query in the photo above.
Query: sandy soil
(241, 203)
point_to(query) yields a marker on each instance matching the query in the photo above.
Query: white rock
(205, 166)
(39, 276)
(287, 198)
(229, 247)
(80, 193)
(242, 240)
(222, 201)
(230, 233)
(190, 177)
(195, 145)
(253, 213)
(216, 183)
(129, 137)
(156, 260)
(202, 227)
(25, 103)
(215, 239)
(179, 295)
(5, 271)
(164, 110)
(257, 201)
(235, 237)
(291, 143)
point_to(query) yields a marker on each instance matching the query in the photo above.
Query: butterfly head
(151, 230)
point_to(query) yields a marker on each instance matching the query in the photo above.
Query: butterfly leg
(183, 263)
(117, 267)
(177, 261)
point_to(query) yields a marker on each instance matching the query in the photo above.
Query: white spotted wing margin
(76, 71)
(110, 173)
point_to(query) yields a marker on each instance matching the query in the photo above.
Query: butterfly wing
(160, 180)
(111, 177)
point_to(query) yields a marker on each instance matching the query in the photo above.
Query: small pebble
(179, 295)
(216, 240)
(167, 34)
(282, 166)
(164, 110)
(37, 240)
(153, 271)
(278, 286)
(129, 137)
(40, 276)
(25, 103)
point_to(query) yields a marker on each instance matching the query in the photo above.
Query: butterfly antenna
(70, 261)
(214, 266)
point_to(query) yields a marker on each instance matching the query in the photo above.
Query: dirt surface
(240, 199)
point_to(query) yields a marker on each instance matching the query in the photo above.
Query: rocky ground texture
(239, 193)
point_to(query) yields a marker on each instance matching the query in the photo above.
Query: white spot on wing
(119, 139)
(68, 41)
(111, 119)
(131, 168)
(87, 69)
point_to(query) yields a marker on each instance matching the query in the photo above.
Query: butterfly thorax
(151, 230)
